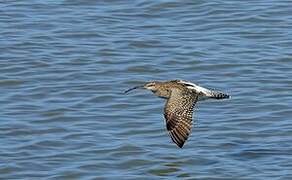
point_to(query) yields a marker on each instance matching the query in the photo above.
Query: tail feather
(219, 95)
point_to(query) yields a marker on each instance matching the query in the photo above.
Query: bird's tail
(218, 95)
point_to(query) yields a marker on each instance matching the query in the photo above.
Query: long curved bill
(136, 87)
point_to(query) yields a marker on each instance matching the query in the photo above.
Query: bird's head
(158, 88)
(149, 85)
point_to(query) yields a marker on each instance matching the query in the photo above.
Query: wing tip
(179, 142)
(180, 145)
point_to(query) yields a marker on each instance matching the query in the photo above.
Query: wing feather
(178, 114)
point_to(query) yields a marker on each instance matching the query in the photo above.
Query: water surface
(65, 64)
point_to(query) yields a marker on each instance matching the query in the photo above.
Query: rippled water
(65, 64)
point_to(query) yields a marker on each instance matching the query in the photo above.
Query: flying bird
(181, 97)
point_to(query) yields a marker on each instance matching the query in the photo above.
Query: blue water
(65, 64)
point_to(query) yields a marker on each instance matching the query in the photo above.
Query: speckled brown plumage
(181, 97)
(178, 112)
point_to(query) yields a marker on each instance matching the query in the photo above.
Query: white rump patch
(197, 88)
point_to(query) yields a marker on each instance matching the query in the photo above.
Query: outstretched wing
(178, 115)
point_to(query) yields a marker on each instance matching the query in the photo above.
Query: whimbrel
(181, 97)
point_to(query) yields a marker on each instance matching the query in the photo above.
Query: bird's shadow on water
(178, 164)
